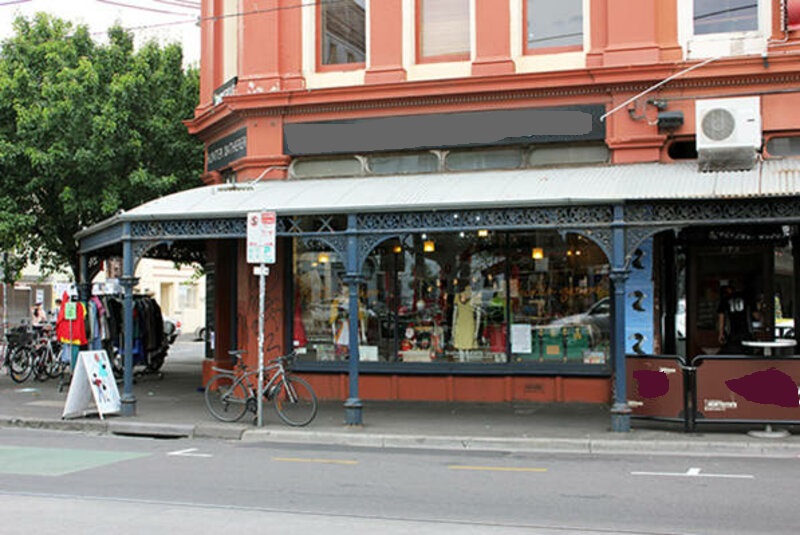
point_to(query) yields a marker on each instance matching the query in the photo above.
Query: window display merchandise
(454, 298)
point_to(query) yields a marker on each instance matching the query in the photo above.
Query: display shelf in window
(566, 344)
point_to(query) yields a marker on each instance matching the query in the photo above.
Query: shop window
(443, 30)
(470, 160)
(725, 16)
(560, 297)
(471, 297)
(566, 154)
(398, 164)
(342, 27)
(320, 304)
(326, 167)
(553, 24)
(784, 146)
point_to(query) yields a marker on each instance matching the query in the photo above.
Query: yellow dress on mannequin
(464, 321)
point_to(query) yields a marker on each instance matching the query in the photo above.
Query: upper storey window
(443, 29)
(552, 24)
(342, 36)
(725, 16)
(720, 28)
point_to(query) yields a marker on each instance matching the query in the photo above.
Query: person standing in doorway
(734, 323)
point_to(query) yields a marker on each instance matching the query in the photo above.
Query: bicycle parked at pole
(230, 393)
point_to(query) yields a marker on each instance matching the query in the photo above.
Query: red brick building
(495, 200)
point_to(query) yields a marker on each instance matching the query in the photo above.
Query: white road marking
(694, 472)
(189, 453)
(306, 460)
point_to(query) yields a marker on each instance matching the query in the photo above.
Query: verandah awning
(483, 189)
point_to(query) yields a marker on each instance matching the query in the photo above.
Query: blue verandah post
(128, 400)
(353, 406)
(620, 411)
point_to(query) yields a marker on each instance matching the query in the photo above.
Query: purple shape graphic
(769, 387)
(652, 384)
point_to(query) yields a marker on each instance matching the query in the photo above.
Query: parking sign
(261, 237)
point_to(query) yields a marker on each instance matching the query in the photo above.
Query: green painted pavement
(57, 462)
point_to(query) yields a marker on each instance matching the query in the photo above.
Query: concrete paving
(173, 406)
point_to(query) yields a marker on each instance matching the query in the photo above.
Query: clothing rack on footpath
(149, 344)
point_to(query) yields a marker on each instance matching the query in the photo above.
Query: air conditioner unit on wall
(728, 133)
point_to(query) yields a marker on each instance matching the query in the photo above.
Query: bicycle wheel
(225, 398)
(40, 364)
(55, 368)
(20, 364)
(295, 401)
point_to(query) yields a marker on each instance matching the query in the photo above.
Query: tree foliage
(86, 130)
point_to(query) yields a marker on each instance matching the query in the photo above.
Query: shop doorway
(751, 270)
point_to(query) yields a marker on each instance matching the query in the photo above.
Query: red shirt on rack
(71, 331)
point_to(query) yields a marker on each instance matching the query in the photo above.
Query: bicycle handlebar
(236, 356)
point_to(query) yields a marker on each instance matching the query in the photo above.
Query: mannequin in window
(340, 320)
(466, 322)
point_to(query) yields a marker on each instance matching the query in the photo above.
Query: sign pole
(261, 251)
(261, 293)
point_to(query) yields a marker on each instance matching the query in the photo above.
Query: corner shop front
(352, 253)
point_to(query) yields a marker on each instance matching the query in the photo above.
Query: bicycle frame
(242, 376)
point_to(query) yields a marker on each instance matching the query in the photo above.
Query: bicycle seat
(236, 354)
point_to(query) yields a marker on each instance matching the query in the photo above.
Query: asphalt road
(61, 482)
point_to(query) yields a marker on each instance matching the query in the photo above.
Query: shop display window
(474, 297)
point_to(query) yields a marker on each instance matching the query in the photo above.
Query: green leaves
(87, 129)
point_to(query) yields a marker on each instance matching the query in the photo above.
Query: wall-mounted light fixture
(397, 249)
(483, 233)
(537, 253)
(428, 246)
(323, 258)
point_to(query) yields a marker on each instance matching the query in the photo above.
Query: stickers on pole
(261, 237)
(92, 388)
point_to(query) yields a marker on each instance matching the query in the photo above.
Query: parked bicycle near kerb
(229, 394)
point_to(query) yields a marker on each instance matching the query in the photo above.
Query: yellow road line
(319, 461)
(495, 468)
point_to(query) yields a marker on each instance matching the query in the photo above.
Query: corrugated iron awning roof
(484, 189)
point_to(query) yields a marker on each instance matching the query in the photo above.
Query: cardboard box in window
(549, 343)
(325, 352)
(597, 356)
(368, 353)
(416, 355)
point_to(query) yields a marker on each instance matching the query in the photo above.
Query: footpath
(173, 406)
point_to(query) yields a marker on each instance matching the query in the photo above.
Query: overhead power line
(140, 8)
(180, 3)
(268, 10)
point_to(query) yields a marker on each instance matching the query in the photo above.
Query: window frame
(322, 67)
(699, 46)
(441, 58)
(507, 251)
(528, 51)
